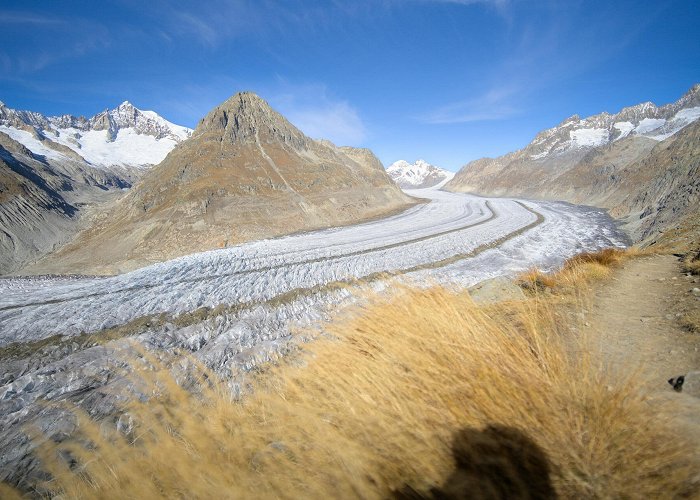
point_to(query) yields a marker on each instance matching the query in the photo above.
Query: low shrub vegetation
(578, 271)
(691, 262)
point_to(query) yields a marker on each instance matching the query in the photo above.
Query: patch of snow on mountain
(30, 142)
(688, 115)
(539, 155)
(648, 125)
(178, 130)
(680, 120)
(128, 147)
(589, 136)
(625, 128)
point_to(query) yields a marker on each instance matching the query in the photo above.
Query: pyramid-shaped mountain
(246, 173)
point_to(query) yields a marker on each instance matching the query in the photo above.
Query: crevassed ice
(450, 225)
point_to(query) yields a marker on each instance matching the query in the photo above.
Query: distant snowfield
(453, 239)
(589, 136)
(129, 148)
(135, 138)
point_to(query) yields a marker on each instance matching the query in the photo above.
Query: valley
(420, 250)
(249, 236)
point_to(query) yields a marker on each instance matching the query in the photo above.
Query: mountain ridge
(100, 140)
(604, 160)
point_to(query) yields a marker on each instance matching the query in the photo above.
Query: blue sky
(444, 80)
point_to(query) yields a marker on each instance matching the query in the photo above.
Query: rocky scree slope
(246, 173)
(420, 174)
(640, 163)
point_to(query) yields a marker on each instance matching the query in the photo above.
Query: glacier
(448, 225)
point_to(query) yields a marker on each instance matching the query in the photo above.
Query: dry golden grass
(374, 406)
(691, 263)
(691, 321)
(578, 271)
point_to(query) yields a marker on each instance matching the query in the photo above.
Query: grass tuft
(691, 263)
(578, 271)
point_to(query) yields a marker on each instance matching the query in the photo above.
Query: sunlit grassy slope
(373, 405)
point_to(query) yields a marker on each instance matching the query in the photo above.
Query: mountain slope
(245, 173)
(669, 187)
(125, 136)
(55, 169)
(641, 163)
(41, 202)
(420, 174)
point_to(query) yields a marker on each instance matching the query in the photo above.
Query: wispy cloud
(27, 18)
(336, 121)
(497, 3)
(503, 7)
(203, 30)
(214, 22)
(318, 114)
(543, 50)
(494, 104)
(71, 37)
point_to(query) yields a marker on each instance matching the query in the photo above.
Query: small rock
(695, 291)
(687, 384)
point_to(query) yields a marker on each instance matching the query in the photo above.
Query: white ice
(31, 143)
(625, 128)
(449, 225)
(589, 136)
(129, 148)
(648, 124)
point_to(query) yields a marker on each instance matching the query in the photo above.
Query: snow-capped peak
(123, 136)
(644, 119)
(420, 174)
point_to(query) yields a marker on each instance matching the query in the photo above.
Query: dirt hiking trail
(635, 320)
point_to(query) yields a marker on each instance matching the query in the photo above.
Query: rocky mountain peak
(691, 98)
(247, 118)
(126, 115)
(419, 174)
(568, 121)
